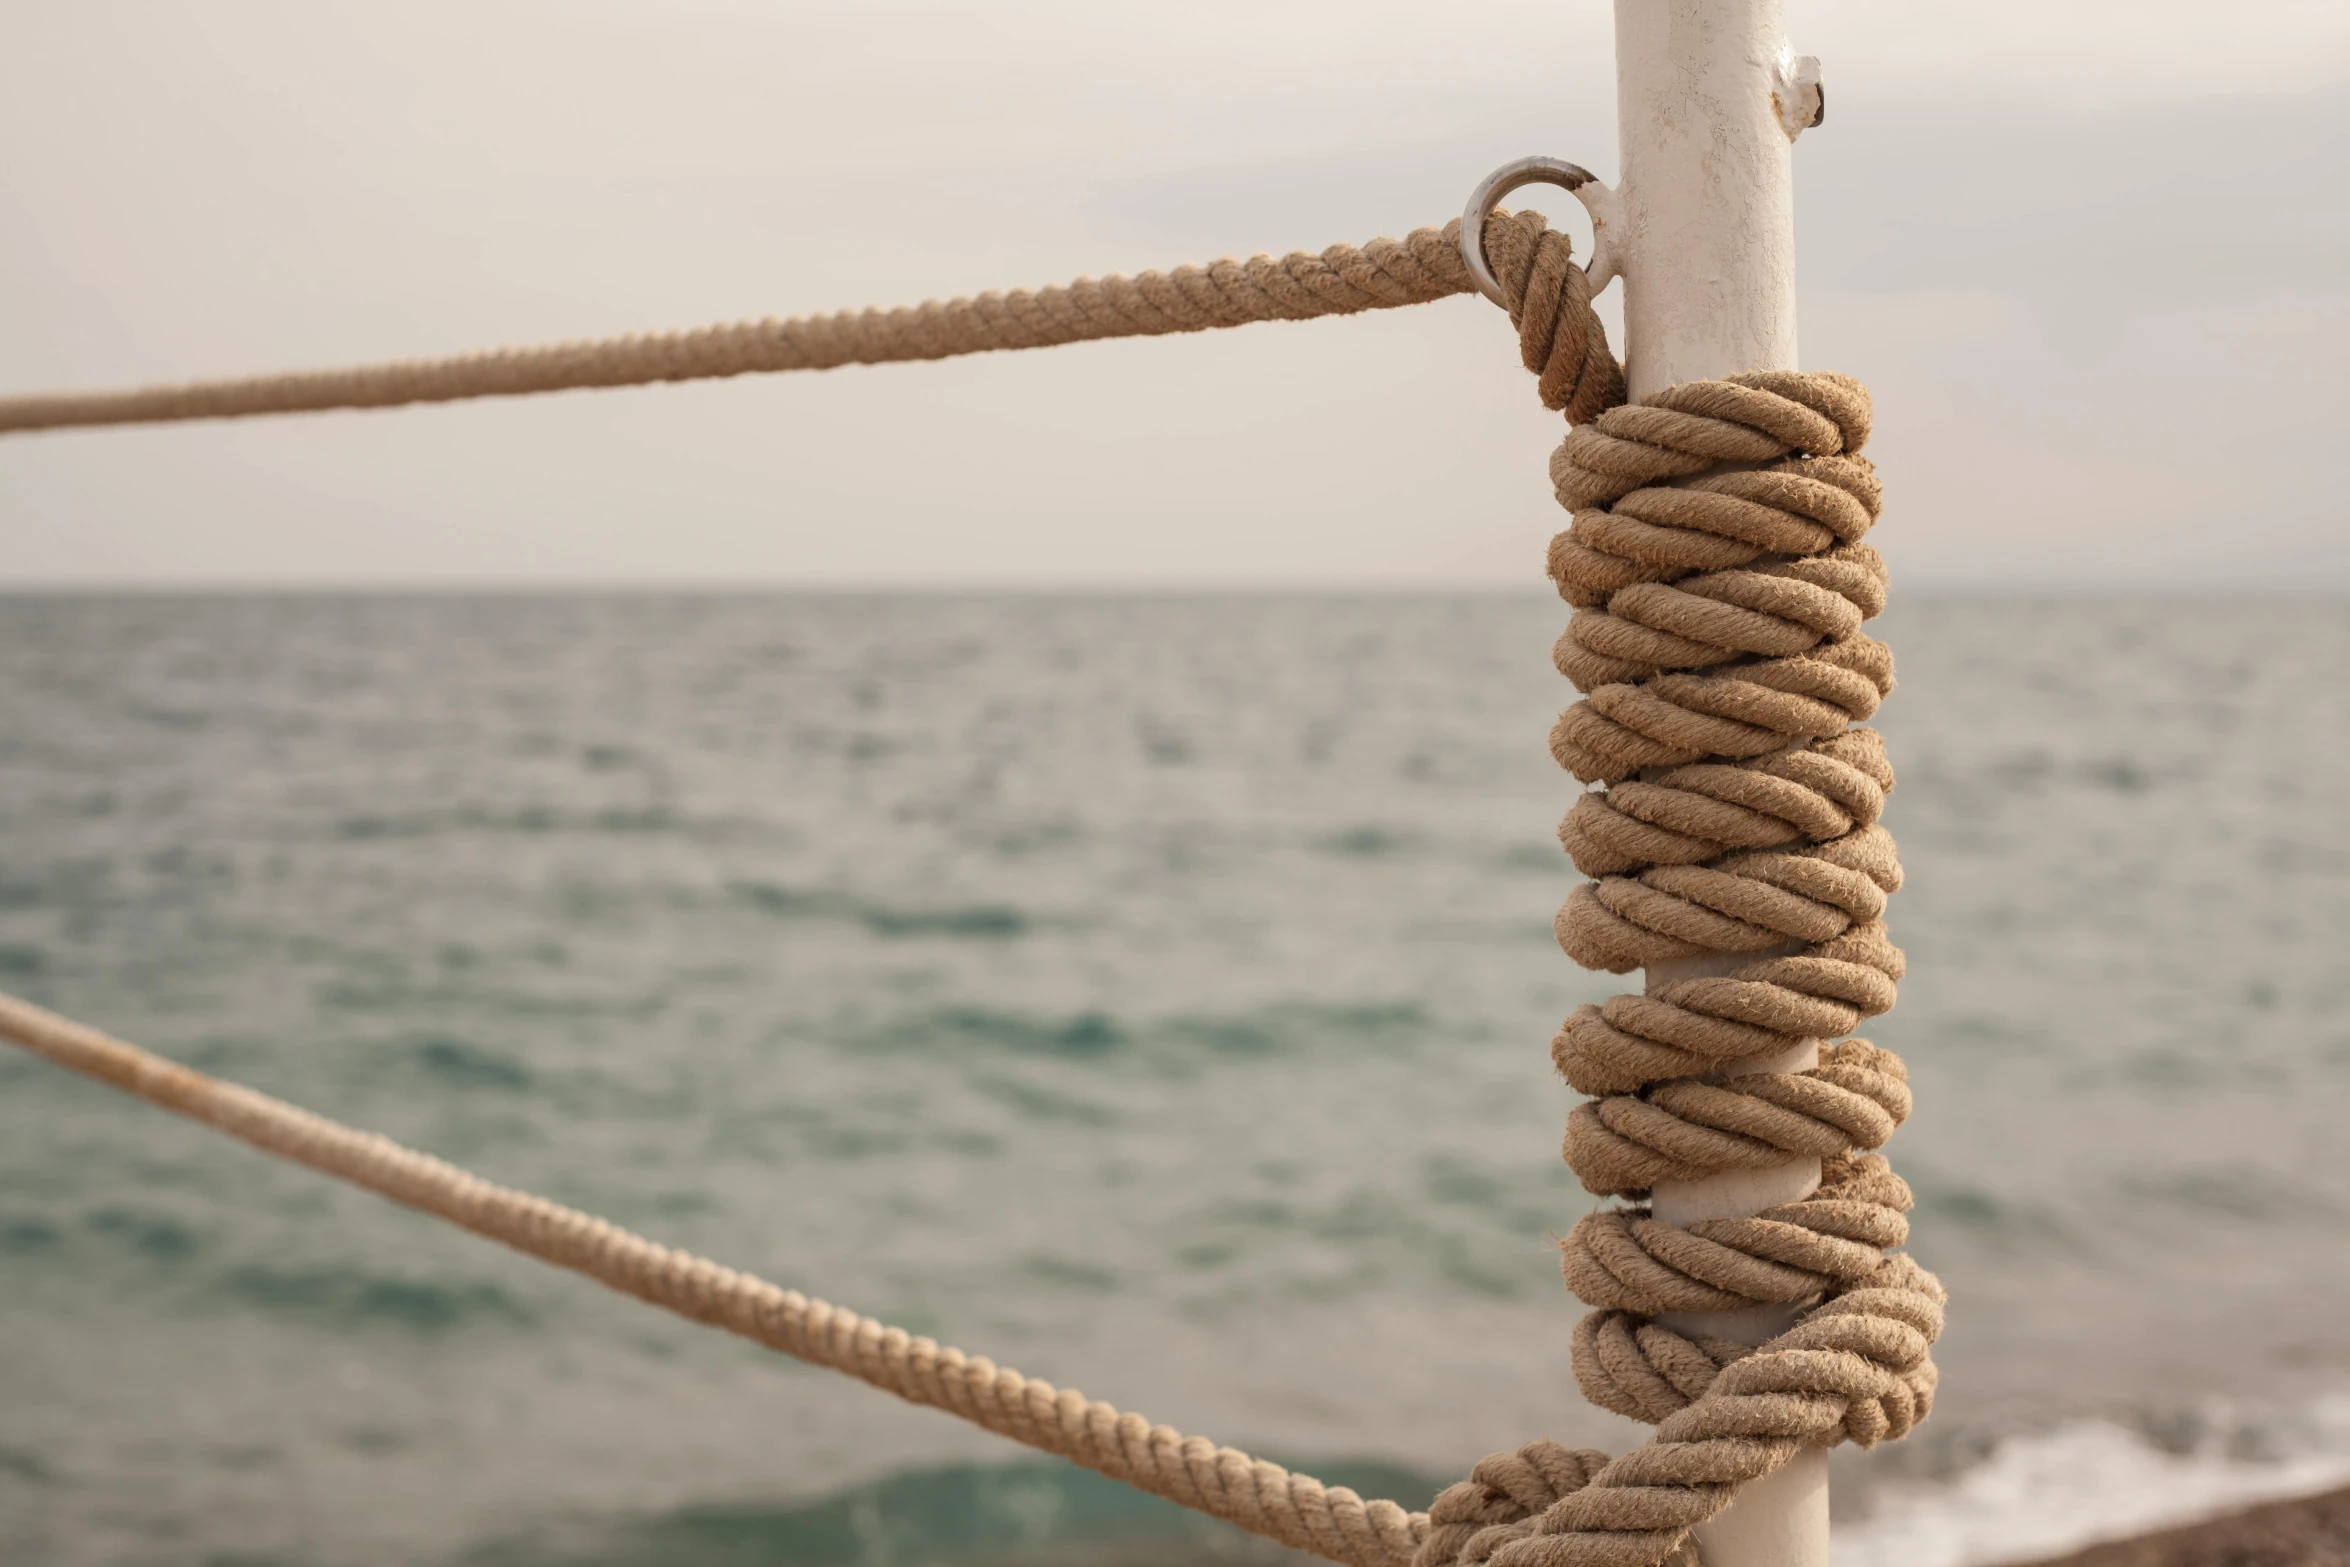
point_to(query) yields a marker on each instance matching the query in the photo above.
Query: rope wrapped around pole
(1719, 582)
(1423, 266)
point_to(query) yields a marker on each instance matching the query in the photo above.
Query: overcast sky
(2094, 256)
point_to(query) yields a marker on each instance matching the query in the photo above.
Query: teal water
(1152, 994)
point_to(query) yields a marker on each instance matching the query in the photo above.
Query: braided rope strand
(1259, 1496)
(1423, 266)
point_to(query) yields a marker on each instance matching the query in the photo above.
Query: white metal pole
(1708, 104)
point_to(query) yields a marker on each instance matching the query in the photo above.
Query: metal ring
(1572, 178)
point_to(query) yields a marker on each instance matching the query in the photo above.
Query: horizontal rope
(1424, 265)
(1261, 1497)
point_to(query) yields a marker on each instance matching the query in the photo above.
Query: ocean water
(1150, 993)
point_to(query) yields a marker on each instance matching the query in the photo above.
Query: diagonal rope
(1424, 265)
(1260, 1496)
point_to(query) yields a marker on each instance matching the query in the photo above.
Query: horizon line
(2162, 587)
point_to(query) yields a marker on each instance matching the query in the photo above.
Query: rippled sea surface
(1153, 994)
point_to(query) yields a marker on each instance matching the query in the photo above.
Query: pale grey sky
(2093, 255)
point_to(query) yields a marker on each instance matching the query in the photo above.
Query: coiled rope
(1424, 265)
(1719, 580)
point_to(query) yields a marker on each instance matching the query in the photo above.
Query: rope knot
(1549, 299)
(1473, 1518)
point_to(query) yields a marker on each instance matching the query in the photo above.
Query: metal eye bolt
(1573, 178)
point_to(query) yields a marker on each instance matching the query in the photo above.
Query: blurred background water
(1150, 993)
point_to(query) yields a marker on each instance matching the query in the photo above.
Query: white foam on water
(2058, 1490)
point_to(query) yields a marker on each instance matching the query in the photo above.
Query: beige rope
(1716, 567)
(1560, 340)
(1261, 1497)
(1425, 265)
(1720, 584)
